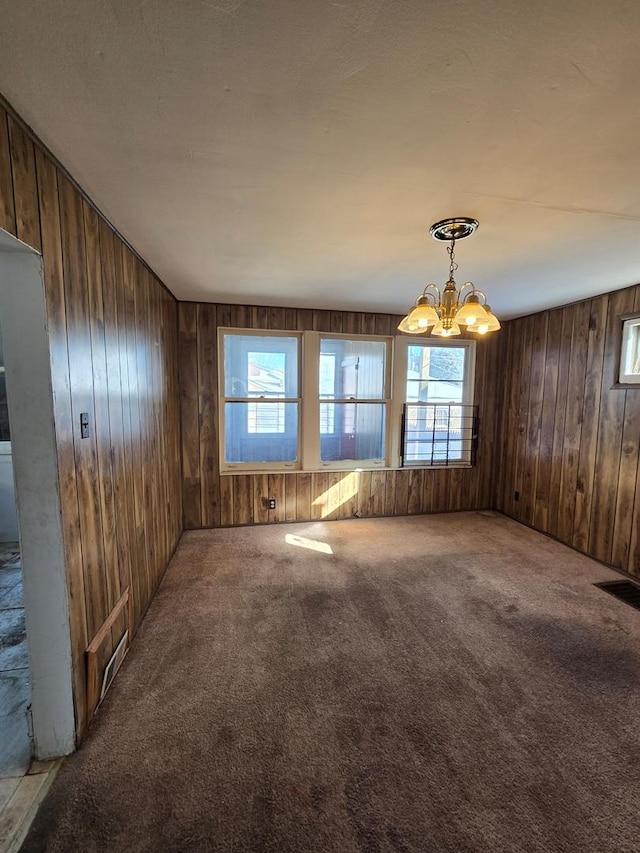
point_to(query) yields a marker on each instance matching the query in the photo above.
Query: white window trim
(401, 353)
(309, 400)
(311, 436)
(628, 325)
(255, 467)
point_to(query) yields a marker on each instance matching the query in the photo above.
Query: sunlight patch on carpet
(312, 544)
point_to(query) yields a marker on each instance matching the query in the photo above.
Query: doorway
(15, 744)
(37, 648)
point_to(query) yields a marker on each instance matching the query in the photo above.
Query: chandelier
(444, 312)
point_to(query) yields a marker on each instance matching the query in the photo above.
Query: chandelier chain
(453, 266)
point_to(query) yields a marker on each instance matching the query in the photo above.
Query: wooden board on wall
(113, 342)
(581, 450)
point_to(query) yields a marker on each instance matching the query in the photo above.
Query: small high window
(630, 354)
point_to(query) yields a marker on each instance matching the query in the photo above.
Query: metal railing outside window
(439, 434)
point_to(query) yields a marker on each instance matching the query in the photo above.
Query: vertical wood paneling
(303, 496)
(414, 502)
(534, 415)
(573, 420)
(25, 191)
(7, 205)
(376, 493)
(260, 496)
(610, 429)
(101, 425)
(47, 178)
(627, 503)
(113, 347)
(208, 413)
(137, 533)
(81, 384)
(547, 512)
(547, 400)
(189, 415)
(583, 469)
(589, 434)
(276, 490)
(226, 501)
(291, 497)
(115, 406)
(510, 416)
(520, 448)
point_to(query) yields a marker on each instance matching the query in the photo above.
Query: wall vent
(114, 664)
(624, 590)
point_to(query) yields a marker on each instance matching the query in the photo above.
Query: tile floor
(15, 746)
(23, 783)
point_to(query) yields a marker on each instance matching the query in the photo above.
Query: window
(257, 370)
(439, 422)
(353, 399)
(630, 355)
(334, 406)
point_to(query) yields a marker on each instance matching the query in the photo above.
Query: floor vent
(624, 590)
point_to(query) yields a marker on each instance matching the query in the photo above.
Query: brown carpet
(439, 683)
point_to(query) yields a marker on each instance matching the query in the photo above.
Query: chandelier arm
(437, 298)
(474, 290)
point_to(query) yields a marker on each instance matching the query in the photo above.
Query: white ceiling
(295, 152)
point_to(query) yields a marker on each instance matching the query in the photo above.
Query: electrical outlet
(272, 503)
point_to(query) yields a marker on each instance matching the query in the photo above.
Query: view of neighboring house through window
(438, 415)
(258, 371)
(265, 380)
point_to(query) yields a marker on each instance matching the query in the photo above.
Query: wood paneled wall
(113, 338)
(569, 440)
(212, 500)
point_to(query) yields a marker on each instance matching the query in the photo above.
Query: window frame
(401, 363)
(630, 322)
(311, 440)
(257, 467)
(308, 401)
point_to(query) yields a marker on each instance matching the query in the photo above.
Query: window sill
(254, 471)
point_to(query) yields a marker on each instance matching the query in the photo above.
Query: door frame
(25, 338)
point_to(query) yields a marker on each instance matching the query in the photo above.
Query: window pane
(435, 374)
(260, 431)
(265, 417)
(356, 369)
(358, 431)
(437, 430)
(260, 366)
(632, 360)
